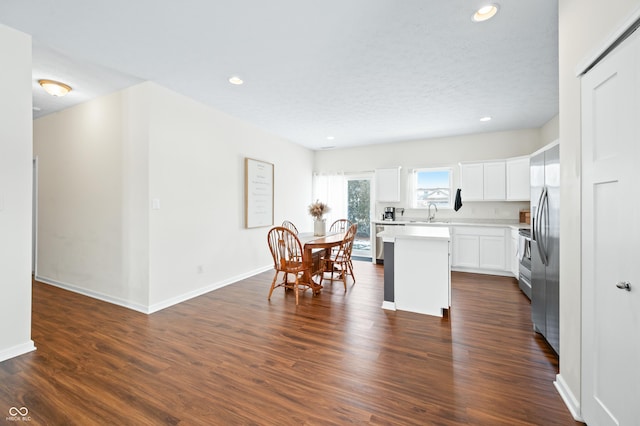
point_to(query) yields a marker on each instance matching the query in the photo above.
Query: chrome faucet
(431, 217)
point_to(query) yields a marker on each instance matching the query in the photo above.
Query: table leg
(308, 275)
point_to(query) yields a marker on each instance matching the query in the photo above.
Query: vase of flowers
(317, 211)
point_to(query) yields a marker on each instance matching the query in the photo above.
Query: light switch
(156, 204)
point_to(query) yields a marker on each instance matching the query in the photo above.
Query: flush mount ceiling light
(485, 13)
(235, 80)
(54, 88)
(485, 118)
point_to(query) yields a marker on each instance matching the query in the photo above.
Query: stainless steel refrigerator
(545, 245)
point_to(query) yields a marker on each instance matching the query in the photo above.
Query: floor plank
(232, 357)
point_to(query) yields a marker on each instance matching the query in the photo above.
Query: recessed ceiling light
(485, 13)
(236, 80)
(485, 118)
(54, 88)
(330, 138)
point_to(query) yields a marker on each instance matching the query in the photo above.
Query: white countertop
(456, 222)
(415, 232)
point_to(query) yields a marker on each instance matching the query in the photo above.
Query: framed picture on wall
(258, 193)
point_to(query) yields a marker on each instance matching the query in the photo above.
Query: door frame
(34, 217)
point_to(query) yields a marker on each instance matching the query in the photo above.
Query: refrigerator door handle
(536, 218)
(542, 236)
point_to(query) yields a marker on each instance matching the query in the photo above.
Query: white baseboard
(149, 309)
(95, 294)
(390, 306)
(17, 350)
(203, 290)
(569, 399)
(481, 271)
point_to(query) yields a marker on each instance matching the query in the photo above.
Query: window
(432, 185)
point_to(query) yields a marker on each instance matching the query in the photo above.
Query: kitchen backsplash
(499, 210)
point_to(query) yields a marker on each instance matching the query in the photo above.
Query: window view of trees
(358, 211)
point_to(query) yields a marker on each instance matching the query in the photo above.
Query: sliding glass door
(348, 196)
(359, 211)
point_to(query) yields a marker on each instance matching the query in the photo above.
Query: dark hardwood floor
(231, 357)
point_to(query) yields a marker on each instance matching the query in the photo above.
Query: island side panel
(389, 274)
(422, 276)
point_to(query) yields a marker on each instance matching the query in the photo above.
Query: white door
(611, 238)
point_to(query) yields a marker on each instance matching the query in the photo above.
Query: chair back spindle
(290, 226)
(340, 225)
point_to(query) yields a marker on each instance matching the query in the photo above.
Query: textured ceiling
(363, 71)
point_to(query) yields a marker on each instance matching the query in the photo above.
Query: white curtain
(331, 189)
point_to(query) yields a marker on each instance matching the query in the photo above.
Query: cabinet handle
(624, 285)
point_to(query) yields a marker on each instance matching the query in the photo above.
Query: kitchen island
(417, 271)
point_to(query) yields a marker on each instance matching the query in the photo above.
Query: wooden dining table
(315, 244)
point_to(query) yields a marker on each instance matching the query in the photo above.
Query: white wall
(135, 195)
(103, 162)
(583, 26)
(80, 204)
(550, 132)
(15, 193)
(440, 152)
(197, 157)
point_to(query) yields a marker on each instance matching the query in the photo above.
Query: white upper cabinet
(483, 181)
(388, 185)
(518, 187)
(498, 180)
(494, 181)
(471, 181)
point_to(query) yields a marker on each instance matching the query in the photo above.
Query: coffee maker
(389, 213)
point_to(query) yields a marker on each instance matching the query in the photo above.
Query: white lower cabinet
(466, 251)
(515, 253)
(492, 253)
(480, 249)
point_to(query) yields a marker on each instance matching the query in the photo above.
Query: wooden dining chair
(287, 254)
(340, 261)
(290, 226)
(340, 225)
